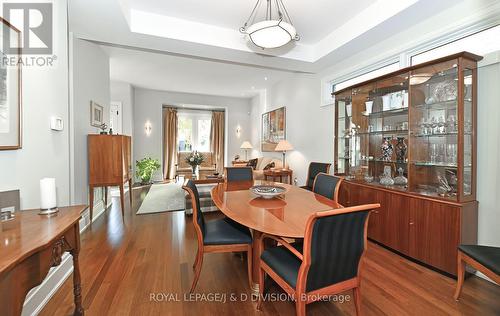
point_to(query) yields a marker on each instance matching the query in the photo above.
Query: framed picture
(96, 114)
(273, 128)
(10, 91)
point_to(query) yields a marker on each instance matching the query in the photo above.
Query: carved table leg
(77, 288)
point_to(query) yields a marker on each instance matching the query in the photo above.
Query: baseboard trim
(39, 296)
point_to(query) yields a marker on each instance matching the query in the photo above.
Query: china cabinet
(408, 140)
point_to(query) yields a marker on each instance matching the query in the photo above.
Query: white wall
(148, 107)
(124, 93)
(90, 70)
(45, 153)
(309, 127)
(488, 150)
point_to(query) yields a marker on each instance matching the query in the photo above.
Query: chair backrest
(239, 174)
(334, 243)
(10, 200)
(327, 185)
(314, 169)
(198, 220)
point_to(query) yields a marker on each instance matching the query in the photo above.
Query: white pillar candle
(48, 199)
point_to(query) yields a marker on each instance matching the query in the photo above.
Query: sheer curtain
(169, 142)
(217, 139)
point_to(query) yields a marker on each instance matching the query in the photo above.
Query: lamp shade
(246, 145)
(271, 33)
(283, 145)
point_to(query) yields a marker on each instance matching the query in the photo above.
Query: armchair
(312, 172)
(329, 261)
(327, 185)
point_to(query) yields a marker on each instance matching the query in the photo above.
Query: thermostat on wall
(56, 123)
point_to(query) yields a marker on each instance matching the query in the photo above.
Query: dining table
(284, 216)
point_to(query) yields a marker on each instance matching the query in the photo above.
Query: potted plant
(195, 159)
(145, 168)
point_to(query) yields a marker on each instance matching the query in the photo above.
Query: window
(480, 43)
(193, 130)
(366, 76)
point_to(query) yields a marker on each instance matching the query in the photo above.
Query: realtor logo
(34, 20)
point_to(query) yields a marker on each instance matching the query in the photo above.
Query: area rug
(163, 197)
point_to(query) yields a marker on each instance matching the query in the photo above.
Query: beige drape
(169, 142)
(217, 139)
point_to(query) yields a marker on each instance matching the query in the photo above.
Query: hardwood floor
(124, 263)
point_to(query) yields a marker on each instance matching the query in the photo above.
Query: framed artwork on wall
(10, 89)
(96, 114)
(273, 128)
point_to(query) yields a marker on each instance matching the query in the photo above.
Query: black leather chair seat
(226, 232)
(485, 255)
(283, 262)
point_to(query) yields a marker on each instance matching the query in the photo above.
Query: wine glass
(433, 124)
(441, 125)
(434, 153)
(451, 154)
(451, 123)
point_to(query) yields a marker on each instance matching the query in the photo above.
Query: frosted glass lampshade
(246, 145)
(271, 33)
(283, 145)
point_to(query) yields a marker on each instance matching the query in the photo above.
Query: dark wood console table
(30, 245)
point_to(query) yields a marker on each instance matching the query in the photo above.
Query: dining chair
(216, 236)
(239, 173)
(328, 262)
(485, 259)
(327, 185)
(312, 172)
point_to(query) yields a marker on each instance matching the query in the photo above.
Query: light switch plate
(56, 123)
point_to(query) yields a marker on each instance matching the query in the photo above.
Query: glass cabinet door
(469, 119)
(434, 130)
(343, 106)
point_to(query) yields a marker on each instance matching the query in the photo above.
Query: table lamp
(246, 145)
(283, 146)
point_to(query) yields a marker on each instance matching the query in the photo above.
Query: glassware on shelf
(368, 107)
(385, 178)
(441, 158)
(368, 178)
(400, 179)
(451, 154)
(441, 123)
(451, 124)
(434, 153)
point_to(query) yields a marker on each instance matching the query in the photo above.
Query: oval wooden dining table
(285, 216)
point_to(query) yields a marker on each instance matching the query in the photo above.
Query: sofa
(183, 168)
(258, 173)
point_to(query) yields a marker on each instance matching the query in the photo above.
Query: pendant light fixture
(274, 30)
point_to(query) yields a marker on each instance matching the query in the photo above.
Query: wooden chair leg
(197, 272)
(460, 275)
(357, 300)
(105, 197)
(197, 259)
(130, 191)
(249, 264)
(300, 306)
(122, 203)
(262, 278)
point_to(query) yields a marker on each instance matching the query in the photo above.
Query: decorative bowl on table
(268, 191)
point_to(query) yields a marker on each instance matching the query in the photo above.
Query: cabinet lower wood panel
(424, 229)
